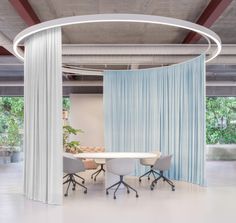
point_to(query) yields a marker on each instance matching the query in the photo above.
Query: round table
(109, 177)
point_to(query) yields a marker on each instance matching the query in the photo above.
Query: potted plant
(5, 154)
(71, 146)
(14, 141)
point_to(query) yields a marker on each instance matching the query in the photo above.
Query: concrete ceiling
(119, 33)
(225, 26)
(10, 22)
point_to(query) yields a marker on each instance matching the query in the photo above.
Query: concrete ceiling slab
(120, 33)
(10, 22)
(225, 26)
(124, 33)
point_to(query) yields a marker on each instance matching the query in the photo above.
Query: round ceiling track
(208, 34)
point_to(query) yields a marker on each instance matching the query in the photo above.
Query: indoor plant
(71, 146)
(14, 141)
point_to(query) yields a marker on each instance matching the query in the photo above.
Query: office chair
(162, 164)
(150, 162)
(121, 167)
(71, 166)
(101, 163)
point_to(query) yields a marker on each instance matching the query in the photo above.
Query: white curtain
(43, 117)
(159, 109)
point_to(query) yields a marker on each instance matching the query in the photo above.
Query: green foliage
(70, 146)
(11, 121)
(14, 137)
(66, 104)
(221, 120)
(219, 109)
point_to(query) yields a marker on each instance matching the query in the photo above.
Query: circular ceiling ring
(209, 45)
(208, 34)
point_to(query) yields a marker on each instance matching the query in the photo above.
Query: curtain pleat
(159, 109)
(43, 117)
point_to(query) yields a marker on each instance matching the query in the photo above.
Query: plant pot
(16, 157)
(5, 157)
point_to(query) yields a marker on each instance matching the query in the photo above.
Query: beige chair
(93, 164)
(101, 163)
(121, 167)
(71, 166)
(90, 164)
(150, 162)
(163, 164)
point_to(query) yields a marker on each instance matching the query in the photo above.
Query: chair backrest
(121, 166)
(150, 161)
(163, 163)
(72, 164)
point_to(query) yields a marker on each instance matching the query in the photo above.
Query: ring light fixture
(208, 34)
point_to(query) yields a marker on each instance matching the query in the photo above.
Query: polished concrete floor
(189, 203)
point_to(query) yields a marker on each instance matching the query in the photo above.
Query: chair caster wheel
(148, 178)
(114, 197)
(128, 191)
(140, 180)
(151, 187)
(73, 188)
(85, 192)
(83, 182)
(107, 193)
(65, 195)
(91, 177)
(137, 195)
(173, 189)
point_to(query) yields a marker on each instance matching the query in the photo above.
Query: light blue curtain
(159, 109)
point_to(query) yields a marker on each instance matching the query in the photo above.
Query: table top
(115, 155)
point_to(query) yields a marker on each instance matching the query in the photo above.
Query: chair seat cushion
(90, 164)
(100, 161)
(148, 161)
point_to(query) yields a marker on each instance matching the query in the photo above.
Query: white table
(109, 177)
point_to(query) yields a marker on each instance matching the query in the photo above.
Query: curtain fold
(43, 117)
(159, 109)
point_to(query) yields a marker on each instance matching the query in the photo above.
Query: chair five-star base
(71, 179)
(98, 172)
(161, 176)
(121, 181)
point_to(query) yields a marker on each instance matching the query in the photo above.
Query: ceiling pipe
(221, 83)
(151, 60)
(65, 83)
(100, 83)
(81, 71)
(142, 49)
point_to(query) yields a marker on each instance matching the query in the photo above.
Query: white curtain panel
(159, 109)
(43, 117)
